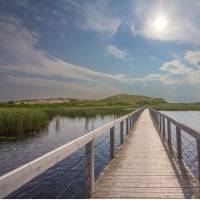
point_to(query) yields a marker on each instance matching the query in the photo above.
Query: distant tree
(10, 102)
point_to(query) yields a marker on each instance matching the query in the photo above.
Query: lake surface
(59, 132)
(66, 179)
(53, 183)
(189, 118)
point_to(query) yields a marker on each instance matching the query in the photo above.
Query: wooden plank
(141, 168)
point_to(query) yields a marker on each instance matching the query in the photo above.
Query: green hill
(132, 100)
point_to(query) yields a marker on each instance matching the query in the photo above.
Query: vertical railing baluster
(112, 143)
(160, 128)
(126, 126)
(121, 132)
(178, 143)
(130, 122)
(90, 166)
(163, 122)
(198, 160)
(169, 132)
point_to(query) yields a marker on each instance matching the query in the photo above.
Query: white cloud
(19, 54)
(193, 57)
(98, 17)
(175, 67)
(116, 52)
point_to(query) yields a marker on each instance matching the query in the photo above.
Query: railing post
(130, 122)
(169, 132)
(121, 132)
(112, 143)
(160, 127)
(127, 126)
(198, 160)
(163, 122)
(90, 166)
(158, 124)
(178, 143)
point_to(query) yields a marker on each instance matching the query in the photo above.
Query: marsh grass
(19, 121)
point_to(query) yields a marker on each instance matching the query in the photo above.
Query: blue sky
(97, 48)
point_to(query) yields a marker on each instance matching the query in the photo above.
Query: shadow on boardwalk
(143, 168)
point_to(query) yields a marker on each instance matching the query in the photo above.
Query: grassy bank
(21, 121)
(17, 120)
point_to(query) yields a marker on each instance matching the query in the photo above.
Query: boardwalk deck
(141, 168)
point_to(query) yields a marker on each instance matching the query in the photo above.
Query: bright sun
(160, 23)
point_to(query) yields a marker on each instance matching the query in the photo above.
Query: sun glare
(160, 23)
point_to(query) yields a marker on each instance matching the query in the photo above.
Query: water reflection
(60, 131)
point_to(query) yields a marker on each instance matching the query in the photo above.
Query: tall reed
(19, 121)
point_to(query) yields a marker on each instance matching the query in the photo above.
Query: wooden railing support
(178, 143)
(121, 132)
(169, 132)
(198, 160)
(90, 166)
(126, 126)
(112, 143)
(130, 123)
(163, 131)
(160, 123)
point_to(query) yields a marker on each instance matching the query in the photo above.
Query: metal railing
(183, 140)
(15, 179)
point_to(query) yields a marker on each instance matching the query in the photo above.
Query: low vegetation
(17, 120)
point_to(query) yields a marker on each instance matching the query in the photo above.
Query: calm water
(60, 131)
(189, 118)
(66, 179)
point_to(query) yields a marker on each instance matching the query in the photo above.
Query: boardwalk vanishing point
(151, 161)
(141, 168)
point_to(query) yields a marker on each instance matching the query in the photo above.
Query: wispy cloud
(175, 67)
(98, 17)
(116, 52)
(193, 57)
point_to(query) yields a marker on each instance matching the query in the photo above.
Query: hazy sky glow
(97, 48)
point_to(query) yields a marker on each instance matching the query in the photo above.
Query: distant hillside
(133, 100)
(120, 101)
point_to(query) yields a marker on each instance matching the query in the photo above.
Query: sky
(98, 48)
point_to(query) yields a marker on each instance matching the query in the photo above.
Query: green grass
(17, 120)
(20, 121)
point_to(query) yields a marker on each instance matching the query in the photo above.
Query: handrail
(18, 177)
(160, 119)
(185, 128)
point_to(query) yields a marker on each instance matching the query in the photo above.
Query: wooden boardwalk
(141, 168)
